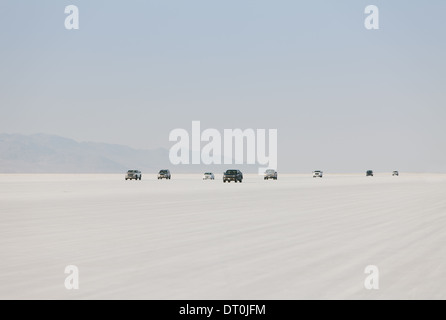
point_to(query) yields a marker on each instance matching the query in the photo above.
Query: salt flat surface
(297, 237)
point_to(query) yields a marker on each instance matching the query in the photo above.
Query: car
(369, 173)
(233, 175)
(395, 173)
(208, 176)
(164, 174)
(133, 175)
(270, 174)
(318, 174)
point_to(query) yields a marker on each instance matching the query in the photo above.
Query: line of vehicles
(231, 175)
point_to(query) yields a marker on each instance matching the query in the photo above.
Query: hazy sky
(342, 98)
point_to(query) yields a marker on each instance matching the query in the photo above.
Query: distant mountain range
(43, 153)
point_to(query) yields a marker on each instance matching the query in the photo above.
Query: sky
(343, 98)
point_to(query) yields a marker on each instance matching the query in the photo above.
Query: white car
(318, 174)
(270, 174)
(133, 175)
(208, 176)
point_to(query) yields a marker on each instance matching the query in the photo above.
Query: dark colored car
(164, 174)
(233, 175)
(369, 173)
